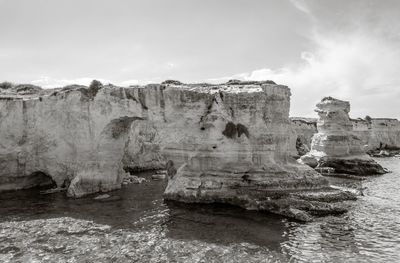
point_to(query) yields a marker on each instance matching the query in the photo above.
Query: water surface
(141, 227)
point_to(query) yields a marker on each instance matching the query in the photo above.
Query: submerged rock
(335, 145)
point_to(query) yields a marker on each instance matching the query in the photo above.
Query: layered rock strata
(243, 154)
(376, 134)
(226, 143)
(335, 145)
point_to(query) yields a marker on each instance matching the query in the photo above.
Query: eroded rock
(226, 143)
(335, 145)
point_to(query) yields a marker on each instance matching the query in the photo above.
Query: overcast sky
(349, 49)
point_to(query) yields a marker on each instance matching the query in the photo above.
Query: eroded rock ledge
(226, 143)
(335, 146)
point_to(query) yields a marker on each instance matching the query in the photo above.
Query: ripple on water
(141, 227)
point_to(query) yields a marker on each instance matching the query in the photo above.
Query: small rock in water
(161, 172)
(133, 179)
(158, 176)
(101, 197)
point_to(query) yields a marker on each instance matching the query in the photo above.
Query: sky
(348, 49)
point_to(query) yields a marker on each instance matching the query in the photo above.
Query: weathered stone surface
(376, 134)
(70, 137)
(225, 143)
(252, 169)
(335, 145)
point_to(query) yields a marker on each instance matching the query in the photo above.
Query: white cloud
(301, 5)
(128, 83)
(355, 65)
(48, 82)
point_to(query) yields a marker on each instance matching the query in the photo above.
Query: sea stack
(240, 154)
(227, 143)
(335, 145)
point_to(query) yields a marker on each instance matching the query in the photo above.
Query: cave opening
(42, 181)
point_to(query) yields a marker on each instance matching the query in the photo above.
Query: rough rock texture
(74, 137)
(335, 144)
(225, 143)
(304, 129)
(240, 153)
(376, 133)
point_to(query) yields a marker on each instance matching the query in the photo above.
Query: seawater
(141, 227)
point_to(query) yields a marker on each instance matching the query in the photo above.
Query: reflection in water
(140, 226)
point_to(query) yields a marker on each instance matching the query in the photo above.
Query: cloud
(48, 82)
(301, 5)
(359, 63)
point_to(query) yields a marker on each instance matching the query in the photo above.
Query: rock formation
(75, 135)
(376, 134)
(304, 129)
(335, 144)
(226, 143)
(242, 154)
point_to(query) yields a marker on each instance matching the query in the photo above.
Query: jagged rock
(254, 171)
(66, 136)
(335, 144)
(224, 143)
(376, 134)
(133, 179)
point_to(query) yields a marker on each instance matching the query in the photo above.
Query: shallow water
(141, 227)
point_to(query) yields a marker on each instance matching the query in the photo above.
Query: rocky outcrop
(376, 134)
(304, 129)
(335, 144)
(74, 137)
(226, 143)
(242, 154)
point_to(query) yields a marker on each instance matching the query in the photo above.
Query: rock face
(304, 129)
(226, 143)
(376, 134)
(74, 136)
(240, 153)
(335, 144)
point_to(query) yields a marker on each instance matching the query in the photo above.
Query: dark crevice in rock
(241, 129)
(142, 99)
(121, 125)
(171, 170)
(232, 129)
(129, 94)
(25, 125)
(232, 112)
(221, 95)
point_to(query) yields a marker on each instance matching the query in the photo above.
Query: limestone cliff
(225, 143)
(240, 153)
(304, 129)
(74, 135)
(375, 133)
(378, 133)
(335, 145)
